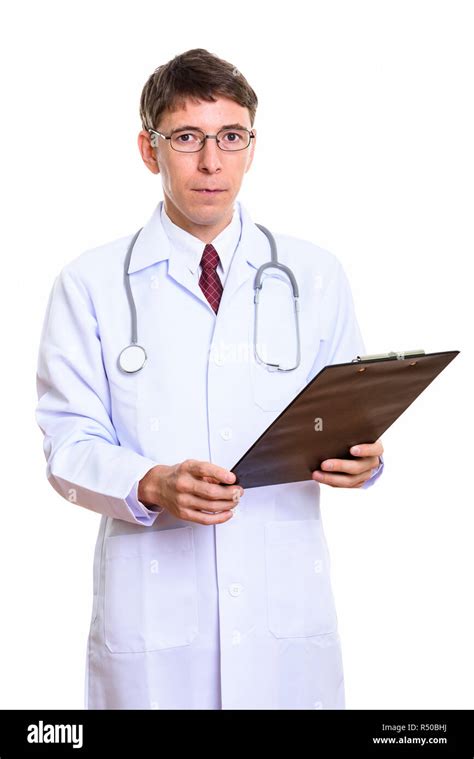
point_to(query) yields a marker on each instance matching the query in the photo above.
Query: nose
(209, 155)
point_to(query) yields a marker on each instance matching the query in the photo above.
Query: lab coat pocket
(150, 598)
(299, 594)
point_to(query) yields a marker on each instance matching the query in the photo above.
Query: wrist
(147, 491)
(144, 494)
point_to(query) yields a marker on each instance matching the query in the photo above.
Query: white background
(365, 147)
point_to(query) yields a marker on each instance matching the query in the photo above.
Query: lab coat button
(235, 589)
(236, 637)
(226, 433)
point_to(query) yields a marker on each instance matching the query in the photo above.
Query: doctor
(204, 597)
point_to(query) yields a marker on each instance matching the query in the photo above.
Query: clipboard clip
(392, 354)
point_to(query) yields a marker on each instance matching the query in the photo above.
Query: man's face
(183, 174)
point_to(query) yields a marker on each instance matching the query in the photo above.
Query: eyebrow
(226, 126)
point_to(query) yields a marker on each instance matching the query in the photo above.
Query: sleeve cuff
(375, 475)
(138, 509)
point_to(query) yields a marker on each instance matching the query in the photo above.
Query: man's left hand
(355, 473)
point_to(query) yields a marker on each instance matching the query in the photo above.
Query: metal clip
(392, 354)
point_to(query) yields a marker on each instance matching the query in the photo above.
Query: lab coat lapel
(252, 251)
(153, 245)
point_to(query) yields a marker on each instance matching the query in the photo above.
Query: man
(201, 600)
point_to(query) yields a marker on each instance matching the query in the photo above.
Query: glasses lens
(233, 139)
(187, 141)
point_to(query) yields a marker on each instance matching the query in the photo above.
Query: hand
(190, 489)
(356, 472)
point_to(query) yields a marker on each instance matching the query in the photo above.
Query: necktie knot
(210, 257)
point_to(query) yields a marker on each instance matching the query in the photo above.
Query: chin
(211, 207)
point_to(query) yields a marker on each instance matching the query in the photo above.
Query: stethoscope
(133, 357)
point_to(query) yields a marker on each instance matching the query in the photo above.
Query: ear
(148, 152)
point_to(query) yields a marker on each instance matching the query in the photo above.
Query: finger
(340, 480)
(200, 517)
(349, 466)
(216, 481)
(207, 469)
(189, 501)
(210, 491)
(187, 485)
(367, 449)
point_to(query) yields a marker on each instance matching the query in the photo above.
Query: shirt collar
(153, 244)
(190, 248)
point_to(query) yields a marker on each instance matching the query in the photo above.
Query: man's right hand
(189, 489)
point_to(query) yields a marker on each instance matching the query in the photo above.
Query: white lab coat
(238, 615)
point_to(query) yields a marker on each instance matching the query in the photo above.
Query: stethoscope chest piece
(132, 358)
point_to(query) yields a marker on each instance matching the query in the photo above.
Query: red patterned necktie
(209, 281)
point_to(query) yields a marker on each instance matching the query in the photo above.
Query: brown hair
(198, 75)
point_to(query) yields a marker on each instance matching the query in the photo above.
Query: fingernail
(355, 450)
(328, 465)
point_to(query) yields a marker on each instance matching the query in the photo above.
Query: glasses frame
(206, 137)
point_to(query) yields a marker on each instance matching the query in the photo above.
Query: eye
(186, 137)
(233, 137)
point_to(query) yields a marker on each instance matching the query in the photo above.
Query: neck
(204, 232)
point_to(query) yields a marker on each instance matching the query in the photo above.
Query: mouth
(206, 191)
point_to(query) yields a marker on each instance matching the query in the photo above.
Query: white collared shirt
(190, 248)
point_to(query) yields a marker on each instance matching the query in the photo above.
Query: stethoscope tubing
(133, 357)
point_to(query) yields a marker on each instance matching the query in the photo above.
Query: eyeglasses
(192, 140)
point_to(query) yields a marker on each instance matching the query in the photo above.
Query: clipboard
(344, 404)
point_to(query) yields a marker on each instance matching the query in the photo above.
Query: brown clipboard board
(344, 404)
